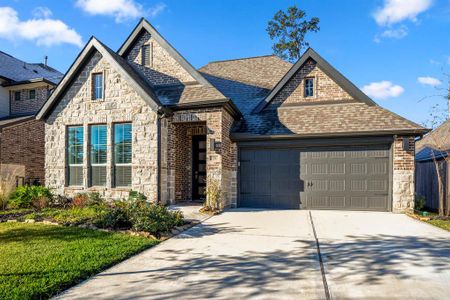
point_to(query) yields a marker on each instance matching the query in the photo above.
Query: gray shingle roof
(17, 70)
(249, 81)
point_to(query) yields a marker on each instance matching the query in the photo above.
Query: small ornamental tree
(289, 30)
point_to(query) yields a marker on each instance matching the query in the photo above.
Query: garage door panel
(352, 178)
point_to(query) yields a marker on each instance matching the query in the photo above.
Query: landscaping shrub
(153, 218)
(80, 200)
(114, 218)
(25, 196)
(419, 202)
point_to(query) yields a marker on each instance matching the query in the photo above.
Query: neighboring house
(431, 153)
(24, 88)
(271, 134)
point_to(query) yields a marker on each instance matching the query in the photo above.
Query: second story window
(146, 55)
(17, 96)
(309, 87)
(97, 86)
(32, 94)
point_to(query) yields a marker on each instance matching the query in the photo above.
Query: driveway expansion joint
(319, 254)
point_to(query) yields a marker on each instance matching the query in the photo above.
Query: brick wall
(26, 105)
(221, 162)
(403, 175)
(164, 68)
(23, 144)
(325, 89)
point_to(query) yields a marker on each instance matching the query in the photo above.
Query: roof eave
(226, 103)
(237, 136)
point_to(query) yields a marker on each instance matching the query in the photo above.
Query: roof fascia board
(250, 137)
(226, 103)
(144, 24)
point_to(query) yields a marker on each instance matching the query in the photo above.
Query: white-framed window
(309, 87)
(97, 86)
(98, 154)
(146, 55)
(32, 94)
(122, 154)
(75, 155)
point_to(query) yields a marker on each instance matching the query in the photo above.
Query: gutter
(237, 137)
(35, 80)
(226, 103)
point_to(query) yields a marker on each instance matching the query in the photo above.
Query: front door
(198, 167)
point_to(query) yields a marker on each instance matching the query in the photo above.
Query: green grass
(14, 211)
(38, 261)
(72, 215)
(444, 224)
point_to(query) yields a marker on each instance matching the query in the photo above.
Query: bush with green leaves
(114, 218)
(31, 196)
(150, 217)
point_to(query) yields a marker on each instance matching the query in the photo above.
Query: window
(146, 55)
(122, 154)
(97, 86)
(17, 96)
(75, 155)
(98, 155)
(309, 87)
(32, 94)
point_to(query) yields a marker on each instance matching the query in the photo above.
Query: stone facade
(403, 175)
(325, 89)
(26, 105)
(121, 103)
(163, 69)
(23, 145)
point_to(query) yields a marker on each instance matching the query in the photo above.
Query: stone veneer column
(403, 176)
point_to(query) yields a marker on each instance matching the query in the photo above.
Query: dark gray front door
(352, 178)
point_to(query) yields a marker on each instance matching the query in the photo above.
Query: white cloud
(395, 11)
(383, 90)
(398, 33)
(42, 12)
(427, 80)
(43, 31)
(157, 9)
(121, 10)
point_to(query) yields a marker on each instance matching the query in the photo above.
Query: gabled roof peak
(328, 69)
(113, 58)
(145, 25)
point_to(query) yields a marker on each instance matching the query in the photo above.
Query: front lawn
(38, 261)
(444, 224)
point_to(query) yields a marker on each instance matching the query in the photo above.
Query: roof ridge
(242, 58)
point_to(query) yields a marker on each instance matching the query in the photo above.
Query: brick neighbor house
(270, 133)
(24, 88)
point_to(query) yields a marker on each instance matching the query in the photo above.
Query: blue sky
(398, 51)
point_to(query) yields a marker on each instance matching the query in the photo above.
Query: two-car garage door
(351, 178)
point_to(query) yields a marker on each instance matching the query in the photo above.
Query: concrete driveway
(273, 255)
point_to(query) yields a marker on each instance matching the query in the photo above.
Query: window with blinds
(75, 155)
(146, 53)
(98, 140)
(97, 86)
(122, 154)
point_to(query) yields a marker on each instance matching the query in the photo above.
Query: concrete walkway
(261, 254)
